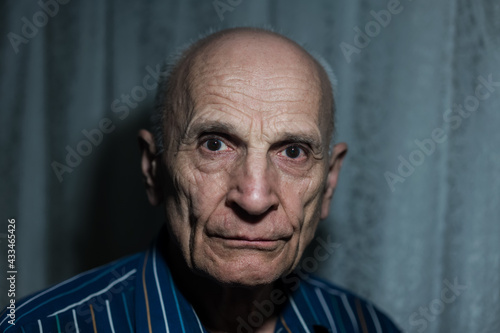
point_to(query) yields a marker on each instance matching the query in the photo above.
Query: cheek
(193, 199)
(302, 200)
(301, 195)
(205, 184)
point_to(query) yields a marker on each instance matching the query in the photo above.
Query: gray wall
(407, 92)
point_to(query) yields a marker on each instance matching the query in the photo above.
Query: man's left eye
(215, 145)
(293, 152)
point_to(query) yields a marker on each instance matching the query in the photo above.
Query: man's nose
(254, 186)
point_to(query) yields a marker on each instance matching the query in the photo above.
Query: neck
(224, 308)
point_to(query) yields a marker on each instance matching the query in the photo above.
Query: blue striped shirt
(137, 294)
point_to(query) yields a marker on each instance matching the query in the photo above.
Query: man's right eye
(215, 145)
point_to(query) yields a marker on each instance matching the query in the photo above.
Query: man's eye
(293, 152)
(214, 145)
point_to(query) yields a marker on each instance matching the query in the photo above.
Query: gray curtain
(416, 216)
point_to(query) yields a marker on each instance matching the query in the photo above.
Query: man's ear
(150, 167)
(338, 154)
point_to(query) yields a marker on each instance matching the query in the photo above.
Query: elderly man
(243, 167)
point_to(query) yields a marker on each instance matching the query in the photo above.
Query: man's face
(250, 172)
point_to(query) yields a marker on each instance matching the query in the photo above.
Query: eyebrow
(209, 126)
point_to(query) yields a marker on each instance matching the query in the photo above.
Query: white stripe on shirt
(109, 317)
(50, 289)
(159, 291)
(347, 306)
(95, 294)
(324, 286)
(373, 314)
(76, 321)
(325, 308)
(294, 306)
(197, 319)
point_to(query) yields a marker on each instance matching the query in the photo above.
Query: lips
(250, 239)
(245, 242)
(229, 233)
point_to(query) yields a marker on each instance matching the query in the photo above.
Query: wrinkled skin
(251, 174)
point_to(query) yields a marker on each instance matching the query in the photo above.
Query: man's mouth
(255, 243)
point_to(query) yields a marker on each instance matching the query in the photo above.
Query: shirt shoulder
(74, 302)
(345, 310)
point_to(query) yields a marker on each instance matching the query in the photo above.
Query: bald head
(261, 53)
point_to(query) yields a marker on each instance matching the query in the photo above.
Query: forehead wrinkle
(228, 99)
(227, 107)
(222, 99)
(272, 98)
(238, 77)
(261, 100)
(235, 84)
(284, 73)
(267, 96)
(296, 116)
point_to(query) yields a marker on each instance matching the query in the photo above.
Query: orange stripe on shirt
(361, 316)
(284, 324)
(93, 317)
(146, 290)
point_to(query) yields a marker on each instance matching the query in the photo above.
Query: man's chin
(239, 263)
(244, 273)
